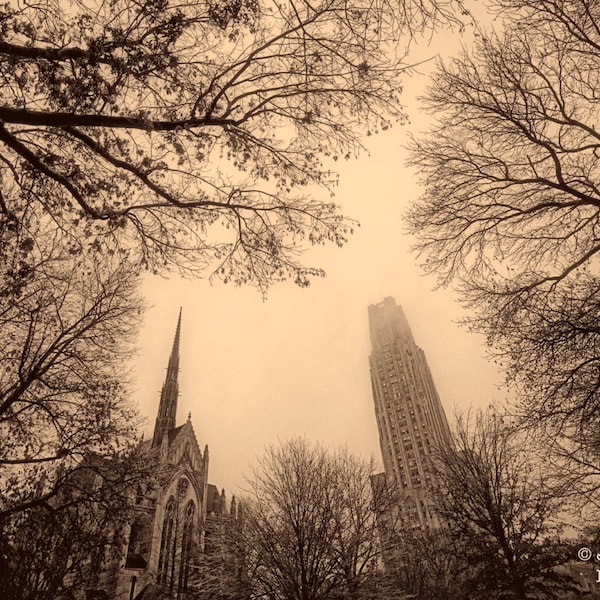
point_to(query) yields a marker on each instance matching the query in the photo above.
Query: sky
(257, 372)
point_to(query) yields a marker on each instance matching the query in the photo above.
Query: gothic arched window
(182, 487)
(166, 559)
(187, 541)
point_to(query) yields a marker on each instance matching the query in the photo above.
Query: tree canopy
(502, 509)
(511, 204)
(193, 136)
(310, 526)
(70, 457)
(63, 387)
(64, 539)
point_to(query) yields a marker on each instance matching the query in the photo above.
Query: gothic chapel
(169, 528)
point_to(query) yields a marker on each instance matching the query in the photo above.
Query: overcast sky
(255, 372)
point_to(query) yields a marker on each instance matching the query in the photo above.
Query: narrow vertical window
(167, 544)
(187, 541)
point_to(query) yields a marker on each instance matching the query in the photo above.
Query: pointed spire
(174, 358)
(167, 410)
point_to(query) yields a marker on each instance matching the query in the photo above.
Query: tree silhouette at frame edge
(510, 209)
(195, 137)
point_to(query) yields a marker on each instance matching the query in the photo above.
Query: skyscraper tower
(410, 417)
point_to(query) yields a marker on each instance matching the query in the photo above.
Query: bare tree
(67, 539)
(311, 525)
(428, 564)
(69, 452)
(66, 327)
(219, 570)
(69, 456)
(182, 134)
(503, 508)
(511, 206)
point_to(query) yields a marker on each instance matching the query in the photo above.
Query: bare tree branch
(511, 206)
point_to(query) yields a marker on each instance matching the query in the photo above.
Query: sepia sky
(254, 372)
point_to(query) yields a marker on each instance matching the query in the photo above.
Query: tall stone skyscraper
(410, 417)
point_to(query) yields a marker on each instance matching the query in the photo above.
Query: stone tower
(159, 552)
(410, 417)
(167, 529)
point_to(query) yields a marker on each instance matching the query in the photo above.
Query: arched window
(138, 546)
(187, 542)
(411, 513)
(166, 558)
(182, 487)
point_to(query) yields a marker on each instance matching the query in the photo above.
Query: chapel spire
(167, 409)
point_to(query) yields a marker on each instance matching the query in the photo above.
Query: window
(176, 546)
(166, 558)
(182, 487)
(187, 540)
(138, 545)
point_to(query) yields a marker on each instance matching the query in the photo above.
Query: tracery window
(166, 559)
(182, 487)
(187, 541)
(177, 540)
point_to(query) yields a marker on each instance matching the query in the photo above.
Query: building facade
(163, 546)
(410, 417)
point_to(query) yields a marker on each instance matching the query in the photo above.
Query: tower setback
(410, 417)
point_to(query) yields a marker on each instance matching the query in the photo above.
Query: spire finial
(175, 349)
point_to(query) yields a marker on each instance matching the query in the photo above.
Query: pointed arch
(410, 512)
(166, 558)
(187, 542)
